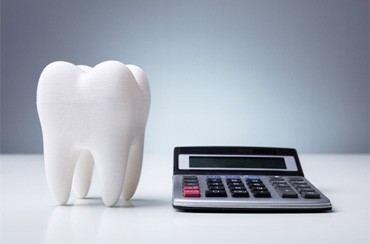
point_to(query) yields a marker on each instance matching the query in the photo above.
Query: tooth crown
(93, 116)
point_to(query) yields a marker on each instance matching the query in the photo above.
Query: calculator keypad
(257, 187)
(215, 187)
(247, 186)
(236, 187)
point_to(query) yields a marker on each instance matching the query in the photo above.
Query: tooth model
(93, 116)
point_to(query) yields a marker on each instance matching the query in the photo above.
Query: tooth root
(83, 174)
(133, 170)
(111, 162)
(59, 167)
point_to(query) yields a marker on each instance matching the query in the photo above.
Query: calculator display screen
(237, 162)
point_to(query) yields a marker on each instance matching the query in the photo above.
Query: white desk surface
(30, 215)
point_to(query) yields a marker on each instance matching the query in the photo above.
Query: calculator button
(310, 195)
(296, 179)
(215, 184)
(274, 179)
(188, 177)
(214, 181)
(253, 181)
(237, 188)
(286, 192)
(229, 181)
(251, 178)
(213, 177)
(190, 184)
(302, 185)
(215, 193)
(280, 184)
(189, 181)
(191, 193)
(235, 184)
(261, 194)
(232, 177)
(216, 188)
(240, 194)
(189, 188)
(305, 190)
(258, 188)
(255, 184)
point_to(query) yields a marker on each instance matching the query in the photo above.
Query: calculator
(243, 178)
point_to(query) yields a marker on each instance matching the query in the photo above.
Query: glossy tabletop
(30, 215)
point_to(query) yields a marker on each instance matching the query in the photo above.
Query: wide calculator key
(286, 192)
(191, 193)
(216, 188)
(190, 184)
(233, 180)
(190, 188)
(240, 193)
(258, 188)
(310, 195)
(237, 188)
(215, 193)
(301, 191)
(261, 194)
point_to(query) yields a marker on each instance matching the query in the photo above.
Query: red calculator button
(191, 193)
(190, 188)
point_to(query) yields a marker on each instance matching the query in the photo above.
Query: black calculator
(243, 178)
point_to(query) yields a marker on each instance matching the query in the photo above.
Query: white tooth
(84, 167)
(93, 115)
(83, 174)
(136, 153)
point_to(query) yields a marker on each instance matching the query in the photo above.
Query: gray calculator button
(301, 185)
(286, 192)
(310, 195)
(280, 184)
(306, 190)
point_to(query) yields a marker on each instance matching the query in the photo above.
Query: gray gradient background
(264, 73)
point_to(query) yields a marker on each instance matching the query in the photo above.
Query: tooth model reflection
(93, 116)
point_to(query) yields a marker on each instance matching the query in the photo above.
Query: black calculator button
(286, 192)
(302, 185)
(215, 184)
(216, 188)
(215, 193)
(255, 184)
(232, 180)
(188, 177)
(258, 188)
(301, 191)
(240, 194)
(303, 188)
(296, 179)
(250, 181)
(235, 184)
(237, 188)
(310, 195)
(262, 194)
